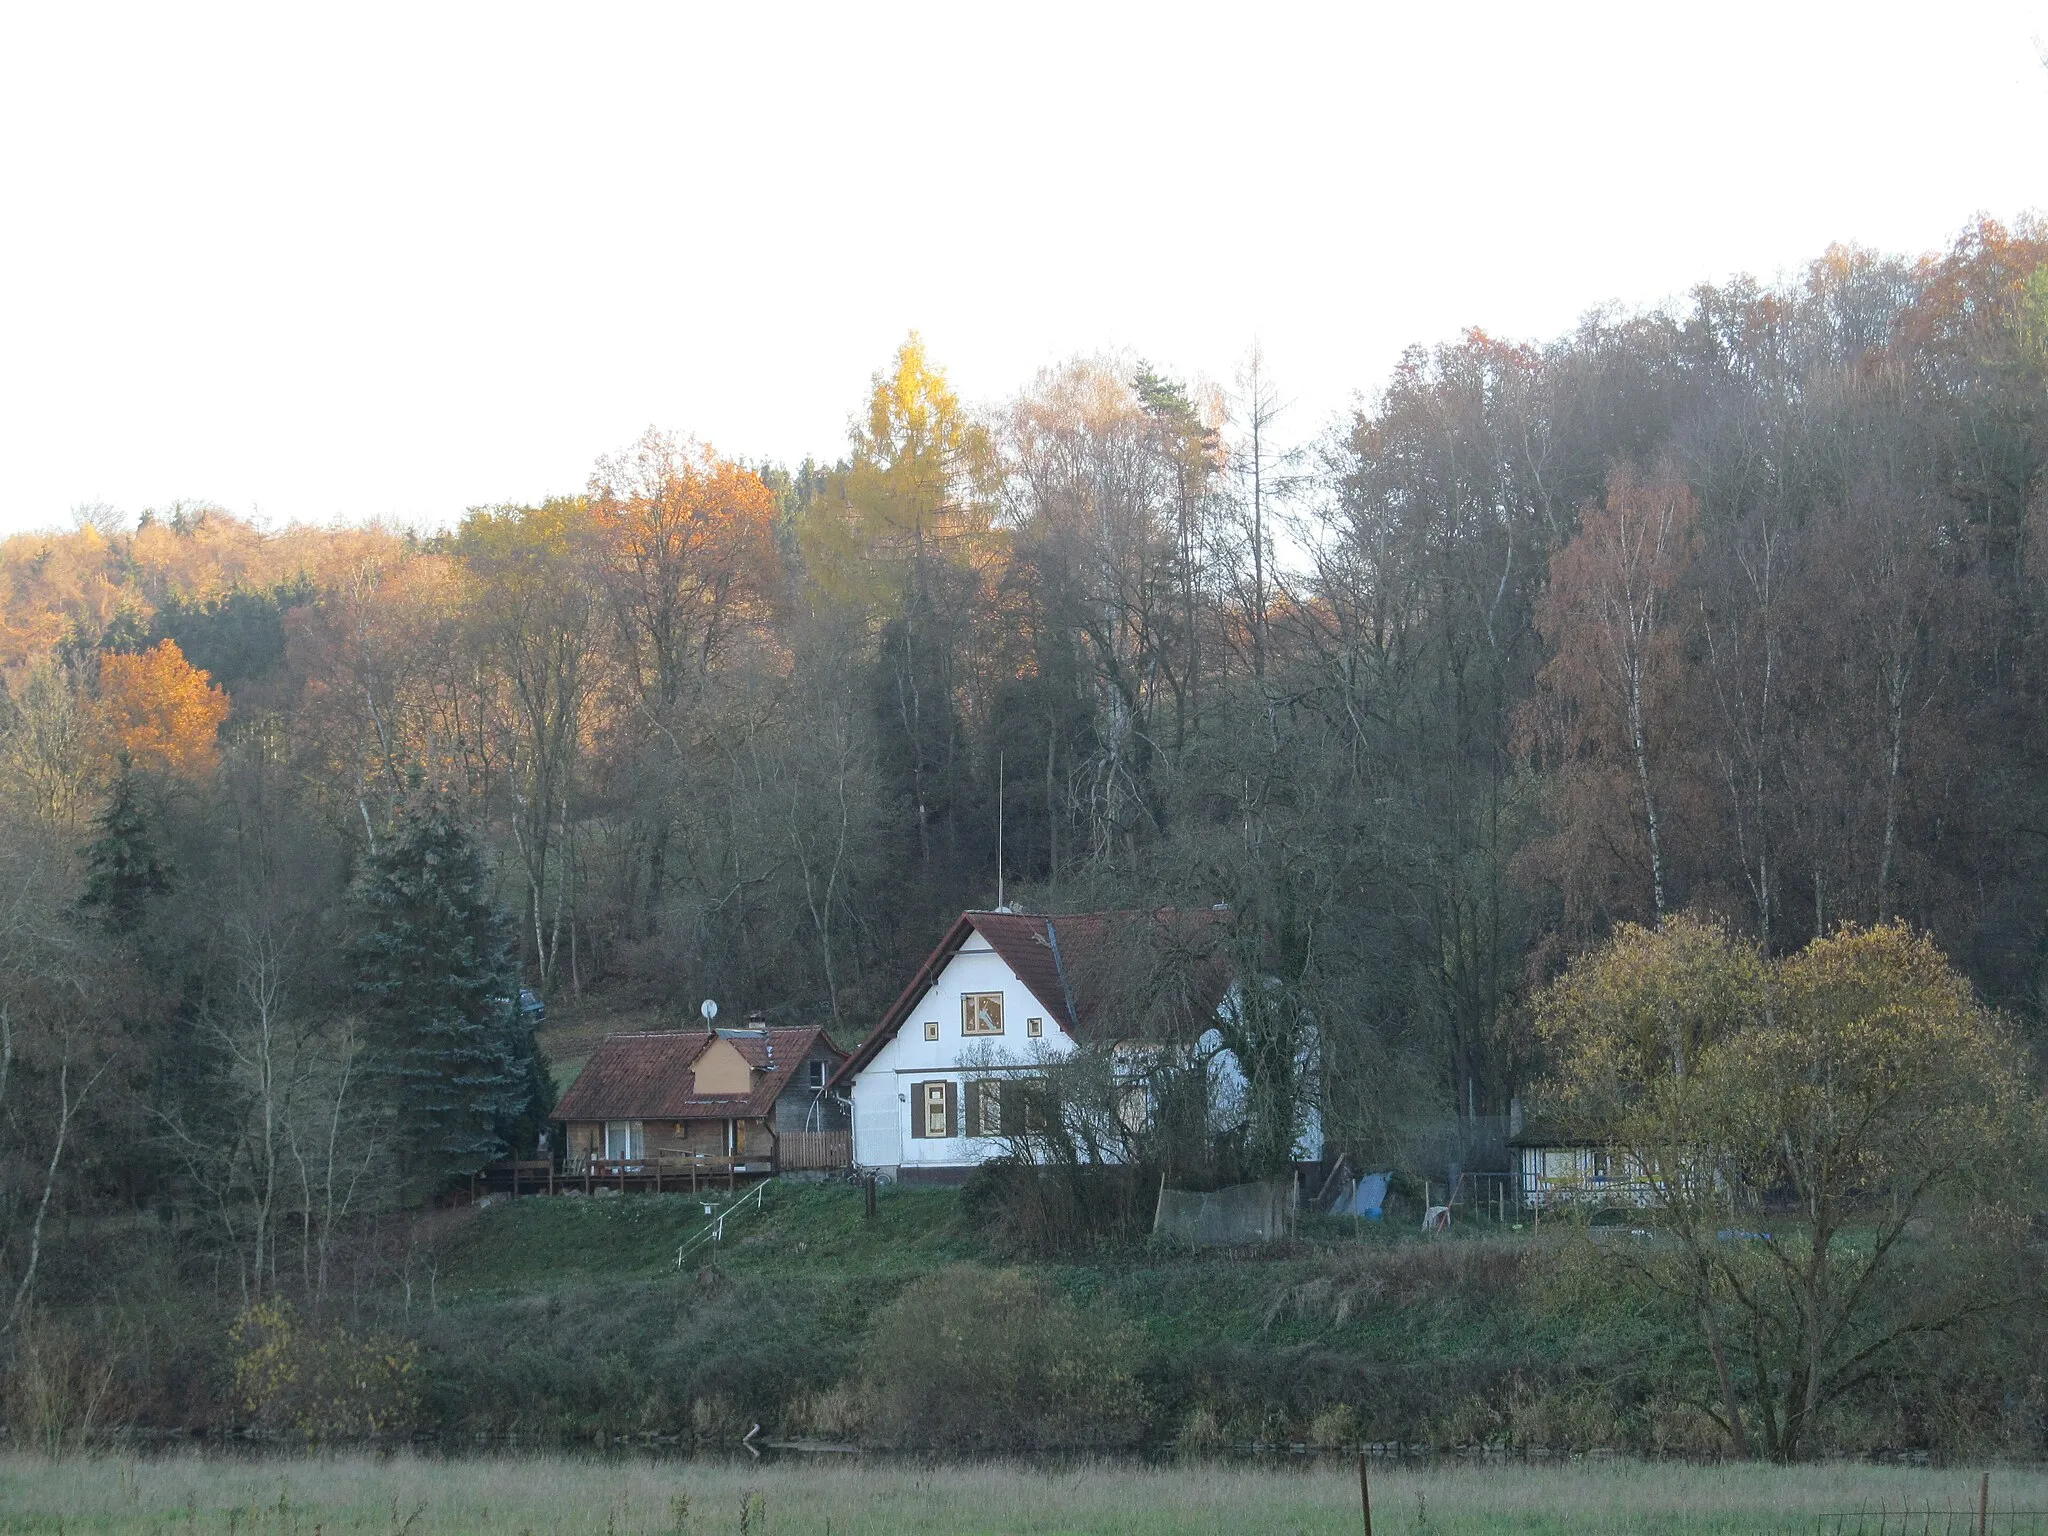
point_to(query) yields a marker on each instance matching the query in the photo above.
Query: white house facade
(940, 1084)
(922, 1085)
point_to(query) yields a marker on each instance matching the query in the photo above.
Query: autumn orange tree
(161, 713)
(1791, 1124)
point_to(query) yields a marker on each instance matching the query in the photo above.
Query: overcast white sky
(320, 261)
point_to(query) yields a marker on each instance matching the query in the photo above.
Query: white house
(1558, 1168)
(1005, 988)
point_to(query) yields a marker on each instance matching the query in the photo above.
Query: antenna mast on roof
(1001, 905)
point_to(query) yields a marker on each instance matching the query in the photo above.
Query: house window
(624, 1140)
(816, 1075)
(1027, 1103)
(1034, 1027)
(931, 1029)
(981, 1013)
(985, 1107)
(932, 1106)
(1134, 1108)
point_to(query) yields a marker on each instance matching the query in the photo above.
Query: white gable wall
(881, 1091)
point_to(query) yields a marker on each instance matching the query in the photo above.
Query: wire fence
(1905, 1521)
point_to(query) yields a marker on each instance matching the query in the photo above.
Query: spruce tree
(122, 866)
(435, 975)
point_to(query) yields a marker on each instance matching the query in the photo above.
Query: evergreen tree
(123, 868)
(434, 970)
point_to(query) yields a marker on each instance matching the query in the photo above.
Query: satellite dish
(709, 1009)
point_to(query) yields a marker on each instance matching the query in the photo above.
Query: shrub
(321, 1381)
(1201, 1431)
(1058, 1211)
(58, 1387)
(973, 1358)
(1336, 1425)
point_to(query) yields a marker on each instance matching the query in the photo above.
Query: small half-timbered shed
(738, 1094)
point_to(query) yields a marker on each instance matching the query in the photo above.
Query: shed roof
(649, 1076)
(1073, 963)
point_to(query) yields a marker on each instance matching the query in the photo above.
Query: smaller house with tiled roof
(674, 1095)
(929, 1087)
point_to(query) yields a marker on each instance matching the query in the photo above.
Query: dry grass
(567, 1496)
(1353, 1281)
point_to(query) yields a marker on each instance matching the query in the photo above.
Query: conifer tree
(434, 972)
(123, 868)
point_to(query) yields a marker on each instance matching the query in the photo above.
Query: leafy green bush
(973, 1358)
(322, 1382)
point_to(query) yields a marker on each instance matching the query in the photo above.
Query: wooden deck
(640, 1175)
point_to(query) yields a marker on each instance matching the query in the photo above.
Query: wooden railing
(667, 1173)
(677, 1171)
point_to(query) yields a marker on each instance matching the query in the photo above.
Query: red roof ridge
(1045, 971)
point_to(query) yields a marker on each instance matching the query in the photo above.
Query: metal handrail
(714, 1231)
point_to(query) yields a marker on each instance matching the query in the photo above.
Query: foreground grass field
(561, 1496)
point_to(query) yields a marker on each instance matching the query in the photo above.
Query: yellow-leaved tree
(1792, 1124)
(905, 540)
(920, 488)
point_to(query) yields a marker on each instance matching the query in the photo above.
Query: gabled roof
(1071, 964)
(649, 1077)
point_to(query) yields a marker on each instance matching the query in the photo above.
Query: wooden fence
(815, 1149)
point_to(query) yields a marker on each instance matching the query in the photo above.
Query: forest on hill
(1737, 606)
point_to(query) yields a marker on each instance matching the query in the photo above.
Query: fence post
(1364, 1492)
(1984, 1505)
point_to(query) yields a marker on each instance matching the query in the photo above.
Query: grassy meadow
(561, 1496)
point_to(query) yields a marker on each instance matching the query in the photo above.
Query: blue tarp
(1366, 1197)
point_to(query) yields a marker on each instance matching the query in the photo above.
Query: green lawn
(560, 1496)
(542, 1244)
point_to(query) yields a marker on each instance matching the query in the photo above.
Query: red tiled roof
(1069, 963)
(649, 1077)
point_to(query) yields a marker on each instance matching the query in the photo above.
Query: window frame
(973, 1006)
(933, 1110)
(931, 1029)
(1028, 1099)
(983, 1095)
(635, 1136)
(1034, 1028)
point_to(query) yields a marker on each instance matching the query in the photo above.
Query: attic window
(816, 1074)
(981, 1013)
(931, 1029)
(1034, 1028)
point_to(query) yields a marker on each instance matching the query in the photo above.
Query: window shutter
(973, 1108)
(917, 1110)
(952, 1108)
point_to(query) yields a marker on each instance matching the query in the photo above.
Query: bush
(59, 1385)
(322, 1382)
(973, 1358)
(1058, 1211)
